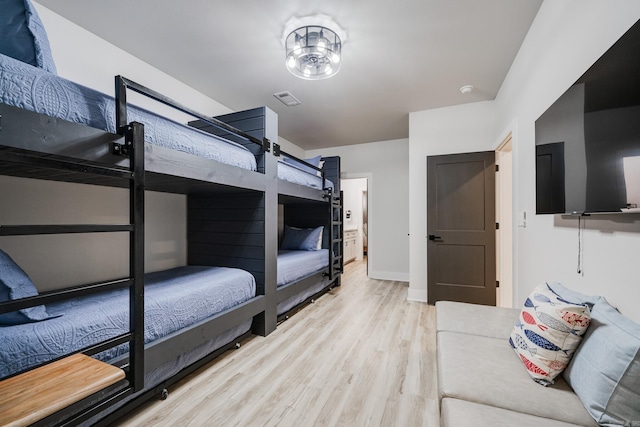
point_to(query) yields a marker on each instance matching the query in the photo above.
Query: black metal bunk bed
(312, 198)
(80, 155)
(305, 208)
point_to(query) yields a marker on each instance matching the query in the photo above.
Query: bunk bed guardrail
(278, 152)
(121, 86)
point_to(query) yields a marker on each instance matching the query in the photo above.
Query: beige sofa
(482, 382)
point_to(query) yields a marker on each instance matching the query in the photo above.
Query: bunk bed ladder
(335, 253)
(73, 388)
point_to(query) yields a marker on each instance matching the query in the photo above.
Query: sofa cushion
(486, 371)
(605, 371)
(460, 413)
(548, 332)
(475, 319)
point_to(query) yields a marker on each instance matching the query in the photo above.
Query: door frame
(504, 216)
(370, 252)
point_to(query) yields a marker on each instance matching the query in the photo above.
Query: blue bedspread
(294, 265)
(293, 174)
(294, 300)
(33, 89)
(174, 299)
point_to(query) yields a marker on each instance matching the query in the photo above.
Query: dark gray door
(461, 252)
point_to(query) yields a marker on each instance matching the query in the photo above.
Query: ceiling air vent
(287, 99)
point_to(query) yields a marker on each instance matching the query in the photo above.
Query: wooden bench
(36, 394)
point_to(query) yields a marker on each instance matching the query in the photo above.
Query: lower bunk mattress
(296, 175)
(34, 89)
(174, 299)
(296, 265)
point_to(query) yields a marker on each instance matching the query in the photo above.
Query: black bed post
(267, 321)
(135, 133)
(134, 148)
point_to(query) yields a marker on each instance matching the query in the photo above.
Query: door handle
(434, 238)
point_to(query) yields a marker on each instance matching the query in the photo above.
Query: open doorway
(365, 221)
(356, 242)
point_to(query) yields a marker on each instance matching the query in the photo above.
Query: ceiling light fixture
(313, 48)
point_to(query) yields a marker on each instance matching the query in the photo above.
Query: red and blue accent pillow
(548, 332)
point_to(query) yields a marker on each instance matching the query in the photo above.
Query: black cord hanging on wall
(580, 234)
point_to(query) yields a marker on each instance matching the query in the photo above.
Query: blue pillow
(22, 35)
(605, 370)
(571, 296)
(315, 161)
(15, 284)
(302, 239)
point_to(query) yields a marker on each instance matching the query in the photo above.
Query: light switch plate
(522, 219)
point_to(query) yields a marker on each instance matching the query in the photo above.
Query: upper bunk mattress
(296, 175)
(294, 265)
(33, 89)
(174, 299)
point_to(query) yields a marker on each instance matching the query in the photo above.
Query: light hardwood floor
(362, 355)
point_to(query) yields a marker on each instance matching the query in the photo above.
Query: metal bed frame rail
(279, 152)
(121, 86)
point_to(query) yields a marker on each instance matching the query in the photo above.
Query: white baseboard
(420, 295)
(389, 275)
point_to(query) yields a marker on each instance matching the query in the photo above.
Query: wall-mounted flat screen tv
(588, 141)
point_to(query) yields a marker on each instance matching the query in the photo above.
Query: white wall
(458, 129)
(84, 58)
(385, 163)
(563, 42)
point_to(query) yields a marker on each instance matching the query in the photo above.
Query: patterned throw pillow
(548, 332)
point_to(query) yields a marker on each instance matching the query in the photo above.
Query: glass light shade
(313, 52)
